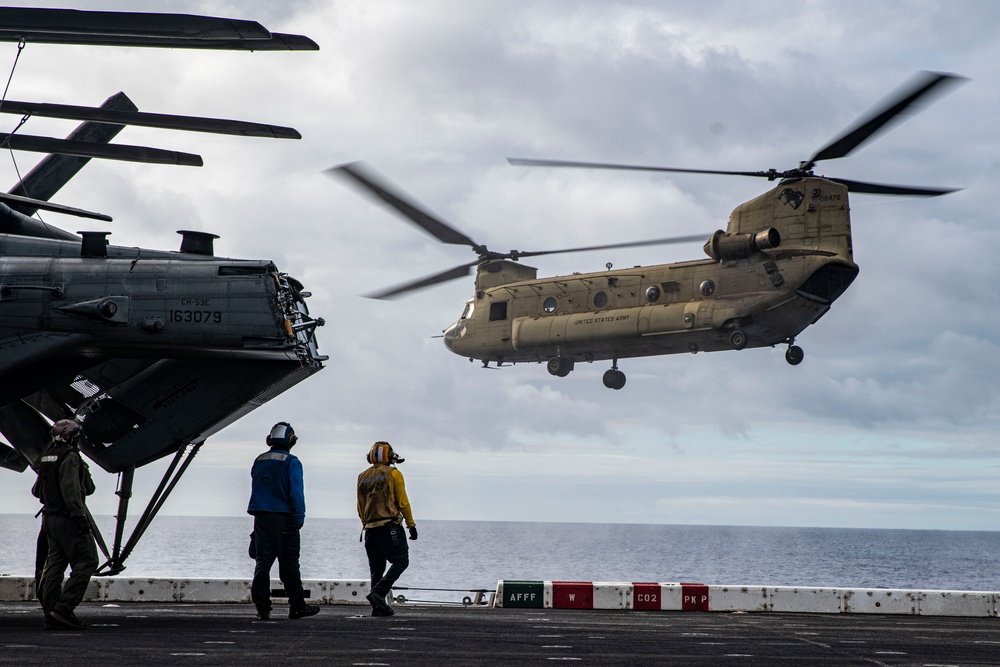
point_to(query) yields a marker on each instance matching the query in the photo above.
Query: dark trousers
(386, 544)
(66, 547)
(276, 535)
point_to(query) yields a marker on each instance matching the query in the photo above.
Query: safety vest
(48, 476)
(376, 501)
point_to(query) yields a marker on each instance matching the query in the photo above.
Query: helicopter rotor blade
(27, 142)
(362, 175)
(882, 189)
(158, 120)
(111, 28)
(631, 244)
(529, 162)
(884, 114)
(451, 274)
(56, 208)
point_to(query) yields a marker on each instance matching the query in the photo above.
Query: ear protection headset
(282, 433)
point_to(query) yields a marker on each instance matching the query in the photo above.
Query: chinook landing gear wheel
(614, 379)
(794, 355)
(559, 366)
(738, 340)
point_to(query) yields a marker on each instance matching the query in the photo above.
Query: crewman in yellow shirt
(382, 507)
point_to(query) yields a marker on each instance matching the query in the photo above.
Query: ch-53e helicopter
(783, 260)
(153, 351)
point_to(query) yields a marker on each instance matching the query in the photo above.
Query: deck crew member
(278, 506)
(63, 483)
(382, 507)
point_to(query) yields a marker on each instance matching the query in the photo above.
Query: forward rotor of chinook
(359, 175)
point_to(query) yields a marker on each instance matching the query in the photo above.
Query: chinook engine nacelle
(723, 246)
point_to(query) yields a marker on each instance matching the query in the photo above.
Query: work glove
(82, 524)
(413, 532)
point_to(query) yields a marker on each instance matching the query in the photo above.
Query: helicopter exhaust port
(723, 246)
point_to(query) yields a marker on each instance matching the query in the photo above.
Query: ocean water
(463, 555)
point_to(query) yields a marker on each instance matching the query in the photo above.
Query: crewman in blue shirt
(278, 506)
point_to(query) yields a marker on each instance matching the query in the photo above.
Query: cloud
(899, 375)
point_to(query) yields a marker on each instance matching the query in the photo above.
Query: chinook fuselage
(783, 260)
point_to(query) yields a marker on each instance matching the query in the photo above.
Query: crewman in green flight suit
(63, 483)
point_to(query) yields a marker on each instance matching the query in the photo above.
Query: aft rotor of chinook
(920, 88)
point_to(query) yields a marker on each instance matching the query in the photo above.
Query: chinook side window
(549, 305)
(600, 299)
(467, 313)
(498, 311)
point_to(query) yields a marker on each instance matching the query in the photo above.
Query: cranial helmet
(66, 430)
(282, 435)
(382, 452)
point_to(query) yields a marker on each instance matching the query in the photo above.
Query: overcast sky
(891, 421)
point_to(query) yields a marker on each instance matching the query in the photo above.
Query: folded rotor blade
(451, 274)
(166, 121)
(363, 176)
(30, 22)
(880, 189)
(277, 42)
(54, 171)
(26, 142)
(67, 26)
(882, 116)
(631, 244)
(528, 162)
(57, 208)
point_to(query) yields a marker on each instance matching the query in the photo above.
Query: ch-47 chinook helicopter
(153, 351)
(783, 260)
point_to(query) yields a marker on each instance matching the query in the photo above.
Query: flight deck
(147, 633)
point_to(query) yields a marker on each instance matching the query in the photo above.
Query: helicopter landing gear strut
(560, 366)
(116, 557)
(794, 354)
(614, 378)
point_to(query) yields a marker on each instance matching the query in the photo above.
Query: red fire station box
(572, 595)
(695, 597)
(646, 596)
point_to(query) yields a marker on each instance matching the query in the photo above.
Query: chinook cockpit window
(498, 311)
(467, 313)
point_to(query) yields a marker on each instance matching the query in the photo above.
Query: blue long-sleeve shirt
(277, 485)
